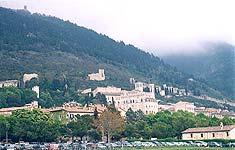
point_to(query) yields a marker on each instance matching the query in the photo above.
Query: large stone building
(204, 133)
(100, 76)
(28, 77)
(8, 83)
(185, 106)
(136, 99)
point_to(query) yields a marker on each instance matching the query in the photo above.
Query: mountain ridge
(215, 66)
(44, 35)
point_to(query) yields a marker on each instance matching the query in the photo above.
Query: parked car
(229, 145)
(201, 143)
(214, 144)
(100, 145)
(127, 144)
(10, 147)
(2, 147)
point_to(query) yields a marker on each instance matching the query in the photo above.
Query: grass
(178, 148)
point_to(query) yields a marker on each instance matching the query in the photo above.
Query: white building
(162, 93)
(135, 99)
(185, 106)
(36, 89)
(204, 133)
(8, 83)
(100, 76)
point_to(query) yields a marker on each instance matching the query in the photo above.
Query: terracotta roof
(209, 129)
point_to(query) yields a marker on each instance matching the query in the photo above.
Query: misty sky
(158, 26)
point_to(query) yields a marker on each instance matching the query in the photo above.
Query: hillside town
(142, 97)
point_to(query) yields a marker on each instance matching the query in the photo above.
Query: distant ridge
(52, 47)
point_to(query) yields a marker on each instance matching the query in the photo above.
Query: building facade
(28, 77)
(68, 111)
(185, 106)
(135, 99)
(8, 83)
(100, 76)
(205, 133)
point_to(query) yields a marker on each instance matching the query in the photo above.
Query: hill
(215, 66)
(57, 49)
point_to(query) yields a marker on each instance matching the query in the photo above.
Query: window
(213, 134)
(201, 135)
(227, 134)
(60, 117)
(191, 135)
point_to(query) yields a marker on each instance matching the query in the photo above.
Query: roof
(12, 109)
(209, 129)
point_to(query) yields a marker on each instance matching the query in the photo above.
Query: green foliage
(63, 53)
(32, 126)
(81, 126)
(168, 125)
(13, 96)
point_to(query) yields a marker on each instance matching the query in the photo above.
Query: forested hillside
(57, 49)
(216, 66)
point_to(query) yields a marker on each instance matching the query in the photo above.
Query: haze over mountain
(158, 26)
(54, 48)
(215, 65)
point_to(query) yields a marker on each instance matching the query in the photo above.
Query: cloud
(159, 26)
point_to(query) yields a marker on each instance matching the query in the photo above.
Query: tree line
(37, 126)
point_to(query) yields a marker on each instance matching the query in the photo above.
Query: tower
(139, 86)
(25, 7)
(101, 72)
(36, 89)
(152, 89)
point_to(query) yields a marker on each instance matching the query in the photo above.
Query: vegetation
(57, 49)
(167, 125)
(215, 66)
(36, 126)
(12, 96)
(110, 123)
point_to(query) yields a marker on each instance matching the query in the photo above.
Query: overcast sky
(159, 26)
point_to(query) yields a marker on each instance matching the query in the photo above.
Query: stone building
(135, 99)
(28, 77)
(204, 133)
(68, 111)
(185, 106)
(100, 76)
(8, 83)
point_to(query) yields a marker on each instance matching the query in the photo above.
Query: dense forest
(215, 66)
(63, 52)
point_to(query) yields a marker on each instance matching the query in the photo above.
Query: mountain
(215, 66)
(54, 48)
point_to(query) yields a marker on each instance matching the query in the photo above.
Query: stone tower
(101, 72)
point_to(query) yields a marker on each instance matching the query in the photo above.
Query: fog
(162, 27)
